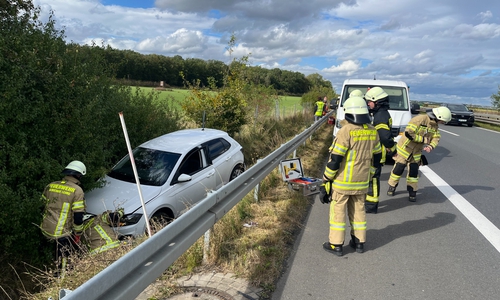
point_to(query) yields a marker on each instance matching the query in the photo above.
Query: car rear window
(217, 147)
(153, 166)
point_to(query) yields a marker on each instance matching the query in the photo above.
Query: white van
(399, 102)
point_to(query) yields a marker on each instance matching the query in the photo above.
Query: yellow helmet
(356, 111)
(375, 94)
(442, 113)
(356, 93)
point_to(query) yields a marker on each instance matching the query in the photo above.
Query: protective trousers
(100, 236)
(398, 169)
(372, 197)
(355, 205)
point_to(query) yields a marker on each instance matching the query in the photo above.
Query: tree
(495, 99)
(59, 103)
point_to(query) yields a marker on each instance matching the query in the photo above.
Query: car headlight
(130, 219)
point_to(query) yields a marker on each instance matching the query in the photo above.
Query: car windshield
(397, 95)
(153, 166)
(457, 107)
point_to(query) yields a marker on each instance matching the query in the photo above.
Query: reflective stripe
(78, 205)
(382, 126)
(358, 225)
(329, 173)
(395, 177)
(110, 244)
(337, 226)
(350, 185)
(339, 149)
(63, 217)
(412, 179)
(371, 198)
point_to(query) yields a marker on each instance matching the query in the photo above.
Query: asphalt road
(444, 246)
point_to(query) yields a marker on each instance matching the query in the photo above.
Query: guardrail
(127, 277)
(487, 118)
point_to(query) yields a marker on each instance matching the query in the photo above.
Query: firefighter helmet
(442, 113)
(75, 167)
(375, 94)
(356, 111)
(356, 93)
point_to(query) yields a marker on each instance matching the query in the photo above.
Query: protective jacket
(383, 122)
(355, 153)
(64, 199)
(319, 105)
(98, 234)
(419, 131)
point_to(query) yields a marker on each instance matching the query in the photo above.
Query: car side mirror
(471, 110)
(184, 178)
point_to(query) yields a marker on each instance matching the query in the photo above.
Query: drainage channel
(202, 294)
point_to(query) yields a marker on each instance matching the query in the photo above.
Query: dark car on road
(460, 114)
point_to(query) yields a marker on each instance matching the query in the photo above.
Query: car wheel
(237, 171)
(161, 219)
(470, 124)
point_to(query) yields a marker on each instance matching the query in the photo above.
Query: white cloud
(484, 16)
(436, 46)
(347, 67)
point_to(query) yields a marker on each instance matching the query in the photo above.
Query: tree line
(150, 69)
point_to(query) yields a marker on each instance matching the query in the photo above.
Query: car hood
(462, 113)
(118, 194)
(400, 118)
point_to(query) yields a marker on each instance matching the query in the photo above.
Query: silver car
(176, 171)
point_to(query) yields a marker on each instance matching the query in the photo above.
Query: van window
(397, 95)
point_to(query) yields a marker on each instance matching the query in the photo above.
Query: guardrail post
(206, 246)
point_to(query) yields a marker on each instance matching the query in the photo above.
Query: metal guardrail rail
(487, 118)
(127, 277)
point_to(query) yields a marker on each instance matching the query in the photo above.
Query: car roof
(184, 140)
(375, 82)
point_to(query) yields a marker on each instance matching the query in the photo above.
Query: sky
(445, 50)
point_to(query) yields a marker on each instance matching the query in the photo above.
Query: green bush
(58, 103)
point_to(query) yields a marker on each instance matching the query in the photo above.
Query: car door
(203, 179)
(218, 153)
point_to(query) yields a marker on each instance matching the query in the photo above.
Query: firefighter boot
(335, 249)
(412, 194)
(391, 191)
(355, 244)
(371, 207)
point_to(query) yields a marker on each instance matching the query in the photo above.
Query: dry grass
(256, 253)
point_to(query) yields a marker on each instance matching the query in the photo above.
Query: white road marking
(448, 132)
(497, 132)
(487, 229)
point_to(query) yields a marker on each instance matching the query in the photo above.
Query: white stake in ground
(132, 161)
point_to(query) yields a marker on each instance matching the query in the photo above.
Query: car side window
(192, 163)
(217, 147)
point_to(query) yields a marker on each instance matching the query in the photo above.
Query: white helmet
(356, 93)
(375, 94)
(442, 113)
(356, 111)
(75, 167)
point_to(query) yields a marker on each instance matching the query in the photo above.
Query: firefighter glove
(325, 192)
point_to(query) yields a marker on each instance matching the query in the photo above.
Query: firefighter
(378, 105)
(421, 134)
(64, 209)
(318, 109)
(98, 234)
(356, 93)
(347, 175)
